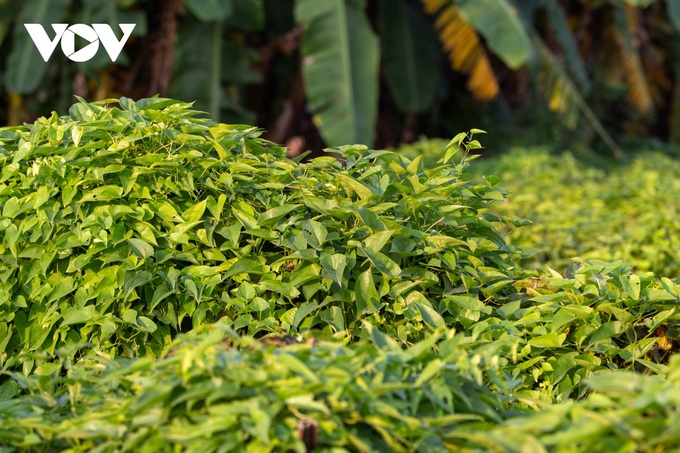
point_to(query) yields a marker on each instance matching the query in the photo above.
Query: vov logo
(67, 35)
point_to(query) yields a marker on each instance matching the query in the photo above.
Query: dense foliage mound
(171, 282)
(123, 227)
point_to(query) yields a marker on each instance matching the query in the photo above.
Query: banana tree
(24, 72)
(212, 65)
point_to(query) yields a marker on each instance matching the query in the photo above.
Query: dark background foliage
(325, 72)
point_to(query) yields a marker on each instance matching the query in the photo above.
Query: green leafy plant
(168, 282)
(124, 226)
(210, 396)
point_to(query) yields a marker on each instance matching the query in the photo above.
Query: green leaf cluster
(219, 392)
(211, 396)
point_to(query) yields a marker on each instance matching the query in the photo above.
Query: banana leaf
(411, 55)
(565, 38)
(340, 69)
(673, 8)
(210, 10)
(25, 66)
(502, 28)
(198, 64)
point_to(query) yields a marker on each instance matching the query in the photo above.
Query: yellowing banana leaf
(464, 49)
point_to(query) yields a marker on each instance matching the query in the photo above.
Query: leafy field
(593, 209)
(168, 283)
